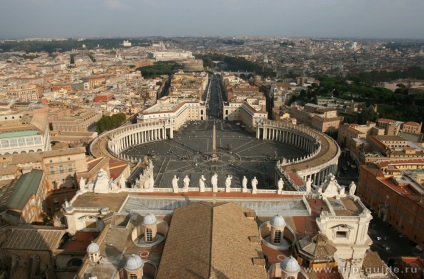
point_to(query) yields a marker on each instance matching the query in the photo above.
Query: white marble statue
(175, 184)
(146, 184)
(228, 182)
(82, 183)
(280, 185)
(202, 180)
(331, 188)
(214, 182)
(342, 192)
(101, 184)
(186, 182)
(244, 182)
(67, 204)
(352, 188)
(254, 185)
(309, 185)
(278, 164)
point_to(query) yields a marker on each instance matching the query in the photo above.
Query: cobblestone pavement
(240, 153)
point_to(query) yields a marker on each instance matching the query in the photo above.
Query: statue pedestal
(244, 190)
(228, 189)
(176, 191)
(280, 192)
(254, 191)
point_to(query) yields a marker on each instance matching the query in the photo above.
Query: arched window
(133, 276)
(277, 237)
(61, 168)
(51, 169)
(149, 235)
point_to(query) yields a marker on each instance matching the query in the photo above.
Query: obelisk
(214, 156)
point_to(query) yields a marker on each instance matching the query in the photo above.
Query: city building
(215, 239)
(412, 127)
(173, 110)
(391, 127)
(394, 190)
(77, 121)
(410, 267)
(24, 133)
(22, 199)
(25, 93)
(243, 103)
(318, 117)
(170, 55)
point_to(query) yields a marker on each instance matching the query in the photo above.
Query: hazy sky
(318, 18)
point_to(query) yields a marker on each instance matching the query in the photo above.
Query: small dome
(290, 265)
(278, 221)
(93, 248)
(134, 262)
(150, 219)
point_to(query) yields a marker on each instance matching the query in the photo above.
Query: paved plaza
(240, 154)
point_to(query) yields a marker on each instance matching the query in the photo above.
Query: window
(149, 235)
(133, 276)
(51, 169)
(277, 237)
(341, 234)
(69, 166)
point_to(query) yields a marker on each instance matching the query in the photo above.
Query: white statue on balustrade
(244, 184)
(309, 185)
(146, 184)
(331, 188)
(214, 182)
(175, 184)
(254, 185)
(82, 184)
(352, 188)
(280, 185)
(186, 181)
(202, 180)
(101, 183)
(228, 183)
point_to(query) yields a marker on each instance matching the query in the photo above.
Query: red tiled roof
(411, 123)
(414, 261)
(115, 172)
(297, 181)
(93, 163)
(80, 241)
(399, 189)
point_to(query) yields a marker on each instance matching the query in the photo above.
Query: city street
(387, 241)
(346, 173)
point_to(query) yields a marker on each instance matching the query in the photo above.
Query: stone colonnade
(137, 134)
(307, 139)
